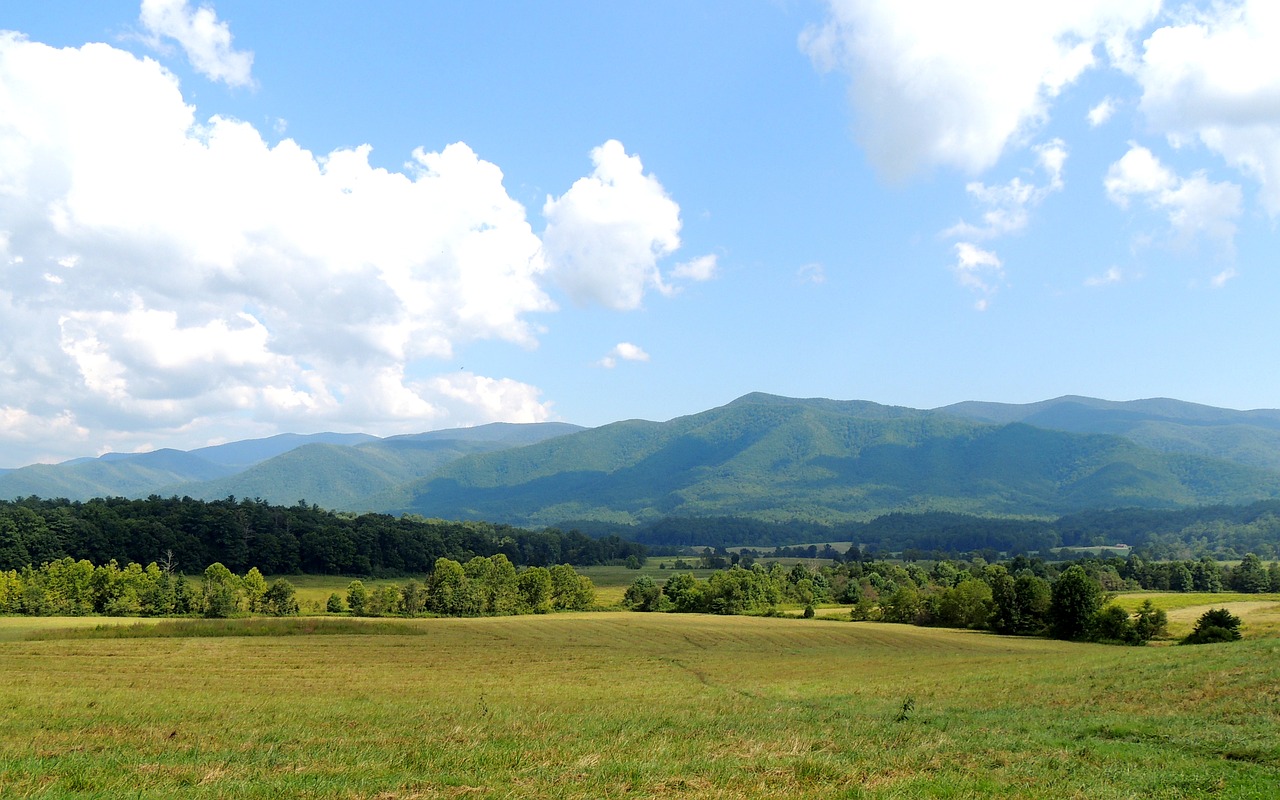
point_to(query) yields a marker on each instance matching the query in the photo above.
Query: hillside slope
(1169, 426)
(779, 459)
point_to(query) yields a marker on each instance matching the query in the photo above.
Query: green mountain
(1169, 426)
(781, 459)
(129, 476)
(336, 469)
(351, 478)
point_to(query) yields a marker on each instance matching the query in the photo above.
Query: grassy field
(621, 704)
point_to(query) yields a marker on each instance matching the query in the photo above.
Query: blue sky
(235, 219)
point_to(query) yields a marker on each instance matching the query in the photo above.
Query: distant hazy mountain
(777, 458)
(335, 471)
(1169, 426)
(351, 478)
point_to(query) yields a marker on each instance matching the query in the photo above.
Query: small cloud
(702, 268)
(979, 270)
(1111, 276)
(1195, 206)
(813, 273)
(1008, 205)
(626, 351)
(205, 40)
(1220, 280)
(1102, 112)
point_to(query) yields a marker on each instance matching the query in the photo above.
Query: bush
(1215, 625)
(334, 604)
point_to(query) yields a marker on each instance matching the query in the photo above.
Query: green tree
(534, 586)
(1150, 623)
(1112, 625)
(903, 604)
(280, 599)
(220, 591)
(357, 598)
(1074, 599)
(255, 588)
(685, 593)
(334, 604)
(413, 599)
(571, 591)
(642, 595)
(1215, 625)
(1251, 576)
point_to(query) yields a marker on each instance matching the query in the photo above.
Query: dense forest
(1221, 532)
(188, 535)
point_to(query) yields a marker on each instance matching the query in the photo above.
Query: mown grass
(1260, 612)
(646, 705)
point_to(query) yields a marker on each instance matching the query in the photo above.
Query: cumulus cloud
(1194, 206)
(205, 40)
(955, 84)
(979, 270)
(605, 235)
(624, 351)
(180, 275)
(1212, 76)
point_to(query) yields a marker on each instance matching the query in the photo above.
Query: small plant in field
(904, 713)
(808, 611)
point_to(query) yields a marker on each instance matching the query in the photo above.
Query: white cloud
(1194, 206)
(979, 270)
(1111, 276)
(1212, 75)
(1220, 280)
(205, 40)
(813, 273)
(1103, 111)
(605, 235)
(1008, 206)
(702, 268)
(181, 276)
(624, 351)
(955, 84)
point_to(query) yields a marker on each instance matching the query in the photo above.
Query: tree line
(1219, 532)
(276, 539)
(67, 587)
(1022, 596)
(482, 586)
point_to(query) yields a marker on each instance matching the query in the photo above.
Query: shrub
(1215, 625)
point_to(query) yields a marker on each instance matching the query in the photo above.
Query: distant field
(645, 705)
(1259, 612)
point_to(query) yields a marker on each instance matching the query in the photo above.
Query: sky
(231, 219)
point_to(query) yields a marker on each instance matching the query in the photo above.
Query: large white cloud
(182, 275)
(1213, 76)
(605, 235)
(955, 84)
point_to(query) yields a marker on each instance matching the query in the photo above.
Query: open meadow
(623, 704)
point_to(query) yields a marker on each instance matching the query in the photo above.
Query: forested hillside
(241, 534)
(781, 460)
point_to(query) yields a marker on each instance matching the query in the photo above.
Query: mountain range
(761, 456)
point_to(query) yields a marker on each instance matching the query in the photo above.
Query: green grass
(613, 704)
